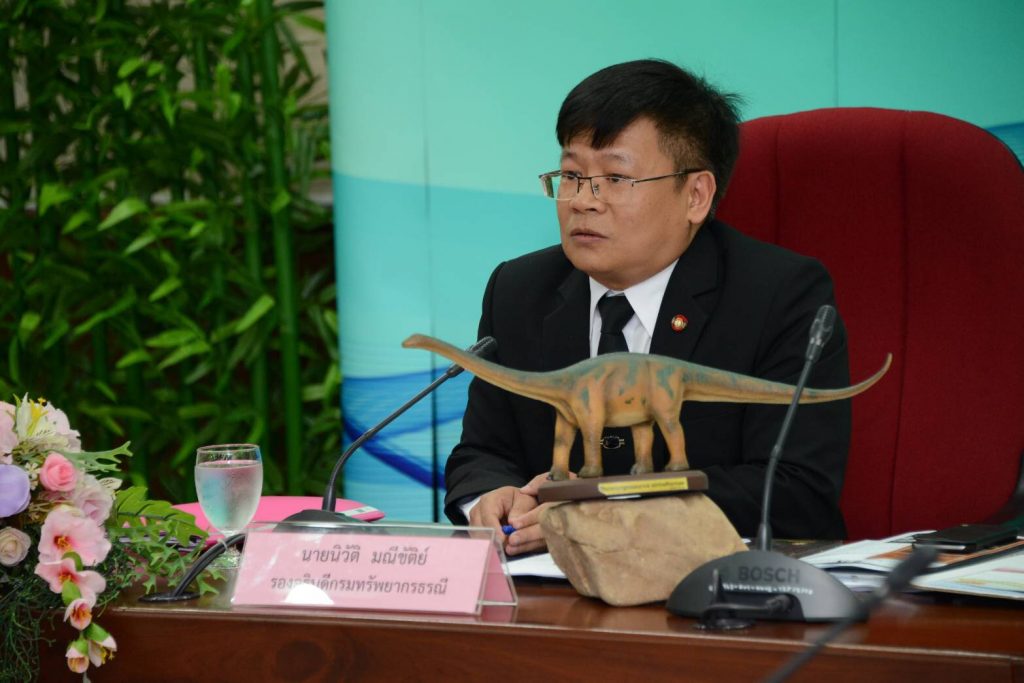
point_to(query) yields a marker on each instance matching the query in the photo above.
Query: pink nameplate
(363, 571)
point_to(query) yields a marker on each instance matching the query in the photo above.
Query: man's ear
(700, 193)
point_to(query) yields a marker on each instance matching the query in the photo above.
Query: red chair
(920, 219)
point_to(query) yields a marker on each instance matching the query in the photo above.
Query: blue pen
(507, 529)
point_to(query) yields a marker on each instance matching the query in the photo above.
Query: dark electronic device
(967, 538)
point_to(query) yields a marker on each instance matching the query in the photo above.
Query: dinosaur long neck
(536, 385)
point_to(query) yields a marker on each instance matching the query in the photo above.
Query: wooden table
(553, 635)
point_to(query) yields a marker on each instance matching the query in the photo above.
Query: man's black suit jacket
(749, 307)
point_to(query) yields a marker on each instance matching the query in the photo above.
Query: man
(647, 151)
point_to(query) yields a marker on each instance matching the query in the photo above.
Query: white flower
(14, 545)
(40, 422)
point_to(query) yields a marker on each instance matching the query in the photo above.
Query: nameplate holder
(388, 567)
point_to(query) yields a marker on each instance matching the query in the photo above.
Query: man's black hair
(699, 125)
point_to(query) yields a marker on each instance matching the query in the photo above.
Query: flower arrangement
(60, 510)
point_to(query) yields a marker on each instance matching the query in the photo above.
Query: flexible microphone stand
(899, 578)
(731, 591)
(485, 348)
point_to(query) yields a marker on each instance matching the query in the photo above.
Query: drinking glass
(229, 480)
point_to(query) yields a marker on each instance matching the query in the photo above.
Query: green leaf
(29, 322)
(71, 554)
(184, 352)
(77, 219)
(129, 66)
(70, 592)
(124, 91)
(52, 194)
(154, 68)
(105, 389)
(171, 338)
(164, 288)
(60, 328)
(198, 410)
(309, 22)
(280, 201)
(125, 302)
(132, 358)
(124, 210)
(140, 242)
(255, 312)
(167, 107)
(197, 229)
(100, 461)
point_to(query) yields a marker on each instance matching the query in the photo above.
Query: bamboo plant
(162, 275)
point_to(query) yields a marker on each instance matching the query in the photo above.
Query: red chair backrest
(920, 219)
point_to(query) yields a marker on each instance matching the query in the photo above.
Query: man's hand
(528, 536)
(500, 505)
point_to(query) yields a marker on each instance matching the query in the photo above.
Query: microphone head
(824, 323)
(821, 331)
(484, 348)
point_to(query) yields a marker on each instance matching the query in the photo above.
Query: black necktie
(615, 313)
(617, 442)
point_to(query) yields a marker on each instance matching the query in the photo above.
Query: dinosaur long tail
(717, 386)
(536, 385)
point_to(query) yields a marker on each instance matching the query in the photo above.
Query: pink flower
(57, 473)
(63, 531)
(8, 439)
(90, 583)
(92, 499)
(102, 645)
(79, 613)
(78, 660)
(14, 545)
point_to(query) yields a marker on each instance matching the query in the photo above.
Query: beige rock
(629, 552)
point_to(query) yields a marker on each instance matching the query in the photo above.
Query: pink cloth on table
(276, 508)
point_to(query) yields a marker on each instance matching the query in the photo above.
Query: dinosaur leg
(565, 432)
(643, 440)
(592, 466)
(676, 443)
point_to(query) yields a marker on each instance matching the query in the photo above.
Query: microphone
(731, 591)
(821, 332)
(898, 579)
(484, 348)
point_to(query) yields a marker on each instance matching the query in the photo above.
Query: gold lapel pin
(679, 323)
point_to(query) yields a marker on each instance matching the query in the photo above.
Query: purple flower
(14, 490)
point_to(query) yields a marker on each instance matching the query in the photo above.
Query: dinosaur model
(629, 390)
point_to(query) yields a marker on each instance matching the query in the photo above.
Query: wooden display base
(623, 486)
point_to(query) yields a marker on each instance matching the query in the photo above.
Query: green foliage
(163, 274)
(150, 526)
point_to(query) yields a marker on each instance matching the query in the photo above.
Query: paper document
(1001, 577)
(541, 565)
(872, 556)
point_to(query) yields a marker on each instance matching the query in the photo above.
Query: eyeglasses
(611, 189)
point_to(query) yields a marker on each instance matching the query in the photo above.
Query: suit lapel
(566, 328)
(691, 293)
